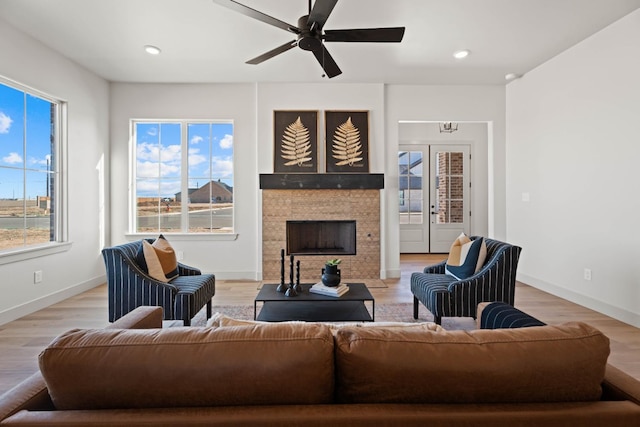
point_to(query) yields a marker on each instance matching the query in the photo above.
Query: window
(180, 193)
(410, 186)
(30, 199)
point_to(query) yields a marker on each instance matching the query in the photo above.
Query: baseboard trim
(617, 313)
(32, 306)
(390, 274)
(236, 275)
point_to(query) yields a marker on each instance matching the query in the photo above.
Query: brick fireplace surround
(297, 197)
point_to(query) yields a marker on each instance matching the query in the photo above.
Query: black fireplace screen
(321, 237)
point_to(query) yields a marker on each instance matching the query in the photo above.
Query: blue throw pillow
(470, 261)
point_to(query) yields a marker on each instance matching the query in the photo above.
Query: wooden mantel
(322, 181)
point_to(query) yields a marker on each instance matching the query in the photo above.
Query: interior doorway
(443, 184)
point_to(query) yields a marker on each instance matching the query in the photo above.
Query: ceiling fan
(310, 33)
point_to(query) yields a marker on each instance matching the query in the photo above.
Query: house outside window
(183, 176)
(30, 182)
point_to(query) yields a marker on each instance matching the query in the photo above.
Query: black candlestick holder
(281, 286)
(291, 291)
(297, 286)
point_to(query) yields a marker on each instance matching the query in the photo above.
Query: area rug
(396, 312)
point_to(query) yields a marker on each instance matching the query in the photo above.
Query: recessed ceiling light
(152, 50)
(511, 76)
(461, 53)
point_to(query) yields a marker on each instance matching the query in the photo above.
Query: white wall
(227, 259)
(81, 267)
(446, 103)
(573, 127)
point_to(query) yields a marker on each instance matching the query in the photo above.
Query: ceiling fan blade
(320, 12)
(255, 14)
(273, 52)
(327, 63)
(377, 35)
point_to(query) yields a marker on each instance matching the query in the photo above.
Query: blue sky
(13, 156)
(159, 154)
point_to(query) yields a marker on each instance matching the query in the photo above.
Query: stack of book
(336, 291)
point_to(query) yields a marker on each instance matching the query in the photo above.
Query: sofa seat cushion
(539, 364)
(185, 367)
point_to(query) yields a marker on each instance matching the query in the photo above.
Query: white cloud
(197, 139)
(146, 151)
(223, 166)
(226, 142)
(42, 162)
(154, 169)
(195, 158)
(152, 131)
(5, 122)
(12, 158)
(151, 188)
(170, 154)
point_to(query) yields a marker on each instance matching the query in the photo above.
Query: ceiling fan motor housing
(308, 39)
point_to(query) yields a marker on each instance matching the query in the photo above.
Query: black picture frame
(295, 141)
(347, 141)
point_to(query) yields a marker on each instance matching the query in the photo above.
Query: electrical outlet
(180, 255)
(587, 274)
(37, 276)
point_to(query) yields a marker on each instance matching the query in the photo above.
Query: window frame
(184, 179)
(61, 241)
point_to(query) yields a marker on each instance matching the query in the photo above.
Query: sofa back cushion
(184, 367)
(539, 364)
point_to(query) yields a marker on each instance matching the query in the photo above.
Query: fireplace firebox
(321, 237)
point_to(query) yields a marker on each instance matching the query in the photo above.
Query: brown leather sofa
(136, 373)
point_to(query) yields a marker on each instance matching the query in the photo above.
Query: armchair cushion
(466, 257)
(158, 259)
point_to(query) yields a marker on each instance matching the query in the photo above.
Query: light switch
(525, 197)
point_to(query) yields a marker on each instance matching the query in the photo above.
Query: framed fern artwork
(295, 141)
(347, 141)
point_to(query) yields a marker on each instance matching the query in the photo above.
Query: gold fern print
(347, 148)
(296, 144)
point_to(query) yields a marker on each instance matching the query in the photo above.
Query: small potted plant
(331, 272)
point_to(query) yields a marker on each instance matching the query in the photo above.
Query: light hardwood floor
(22, 340)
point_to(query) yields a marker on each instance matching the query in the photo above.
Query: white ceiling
(204, 42)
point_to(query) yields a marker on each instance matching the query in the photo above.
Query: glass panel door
(449, 195)
(410, 187)
(414, 224)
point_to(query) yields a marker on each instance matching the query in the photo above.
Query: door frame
(424, 245)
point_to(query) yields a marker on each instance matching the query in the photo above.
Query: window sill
(23, 254)
(184, 237)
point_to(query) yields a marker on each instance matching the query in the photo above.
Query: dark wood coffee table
(310, 307)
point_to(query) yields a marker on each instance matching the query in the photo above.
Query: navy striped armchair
(130, 287)
(446, 296)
